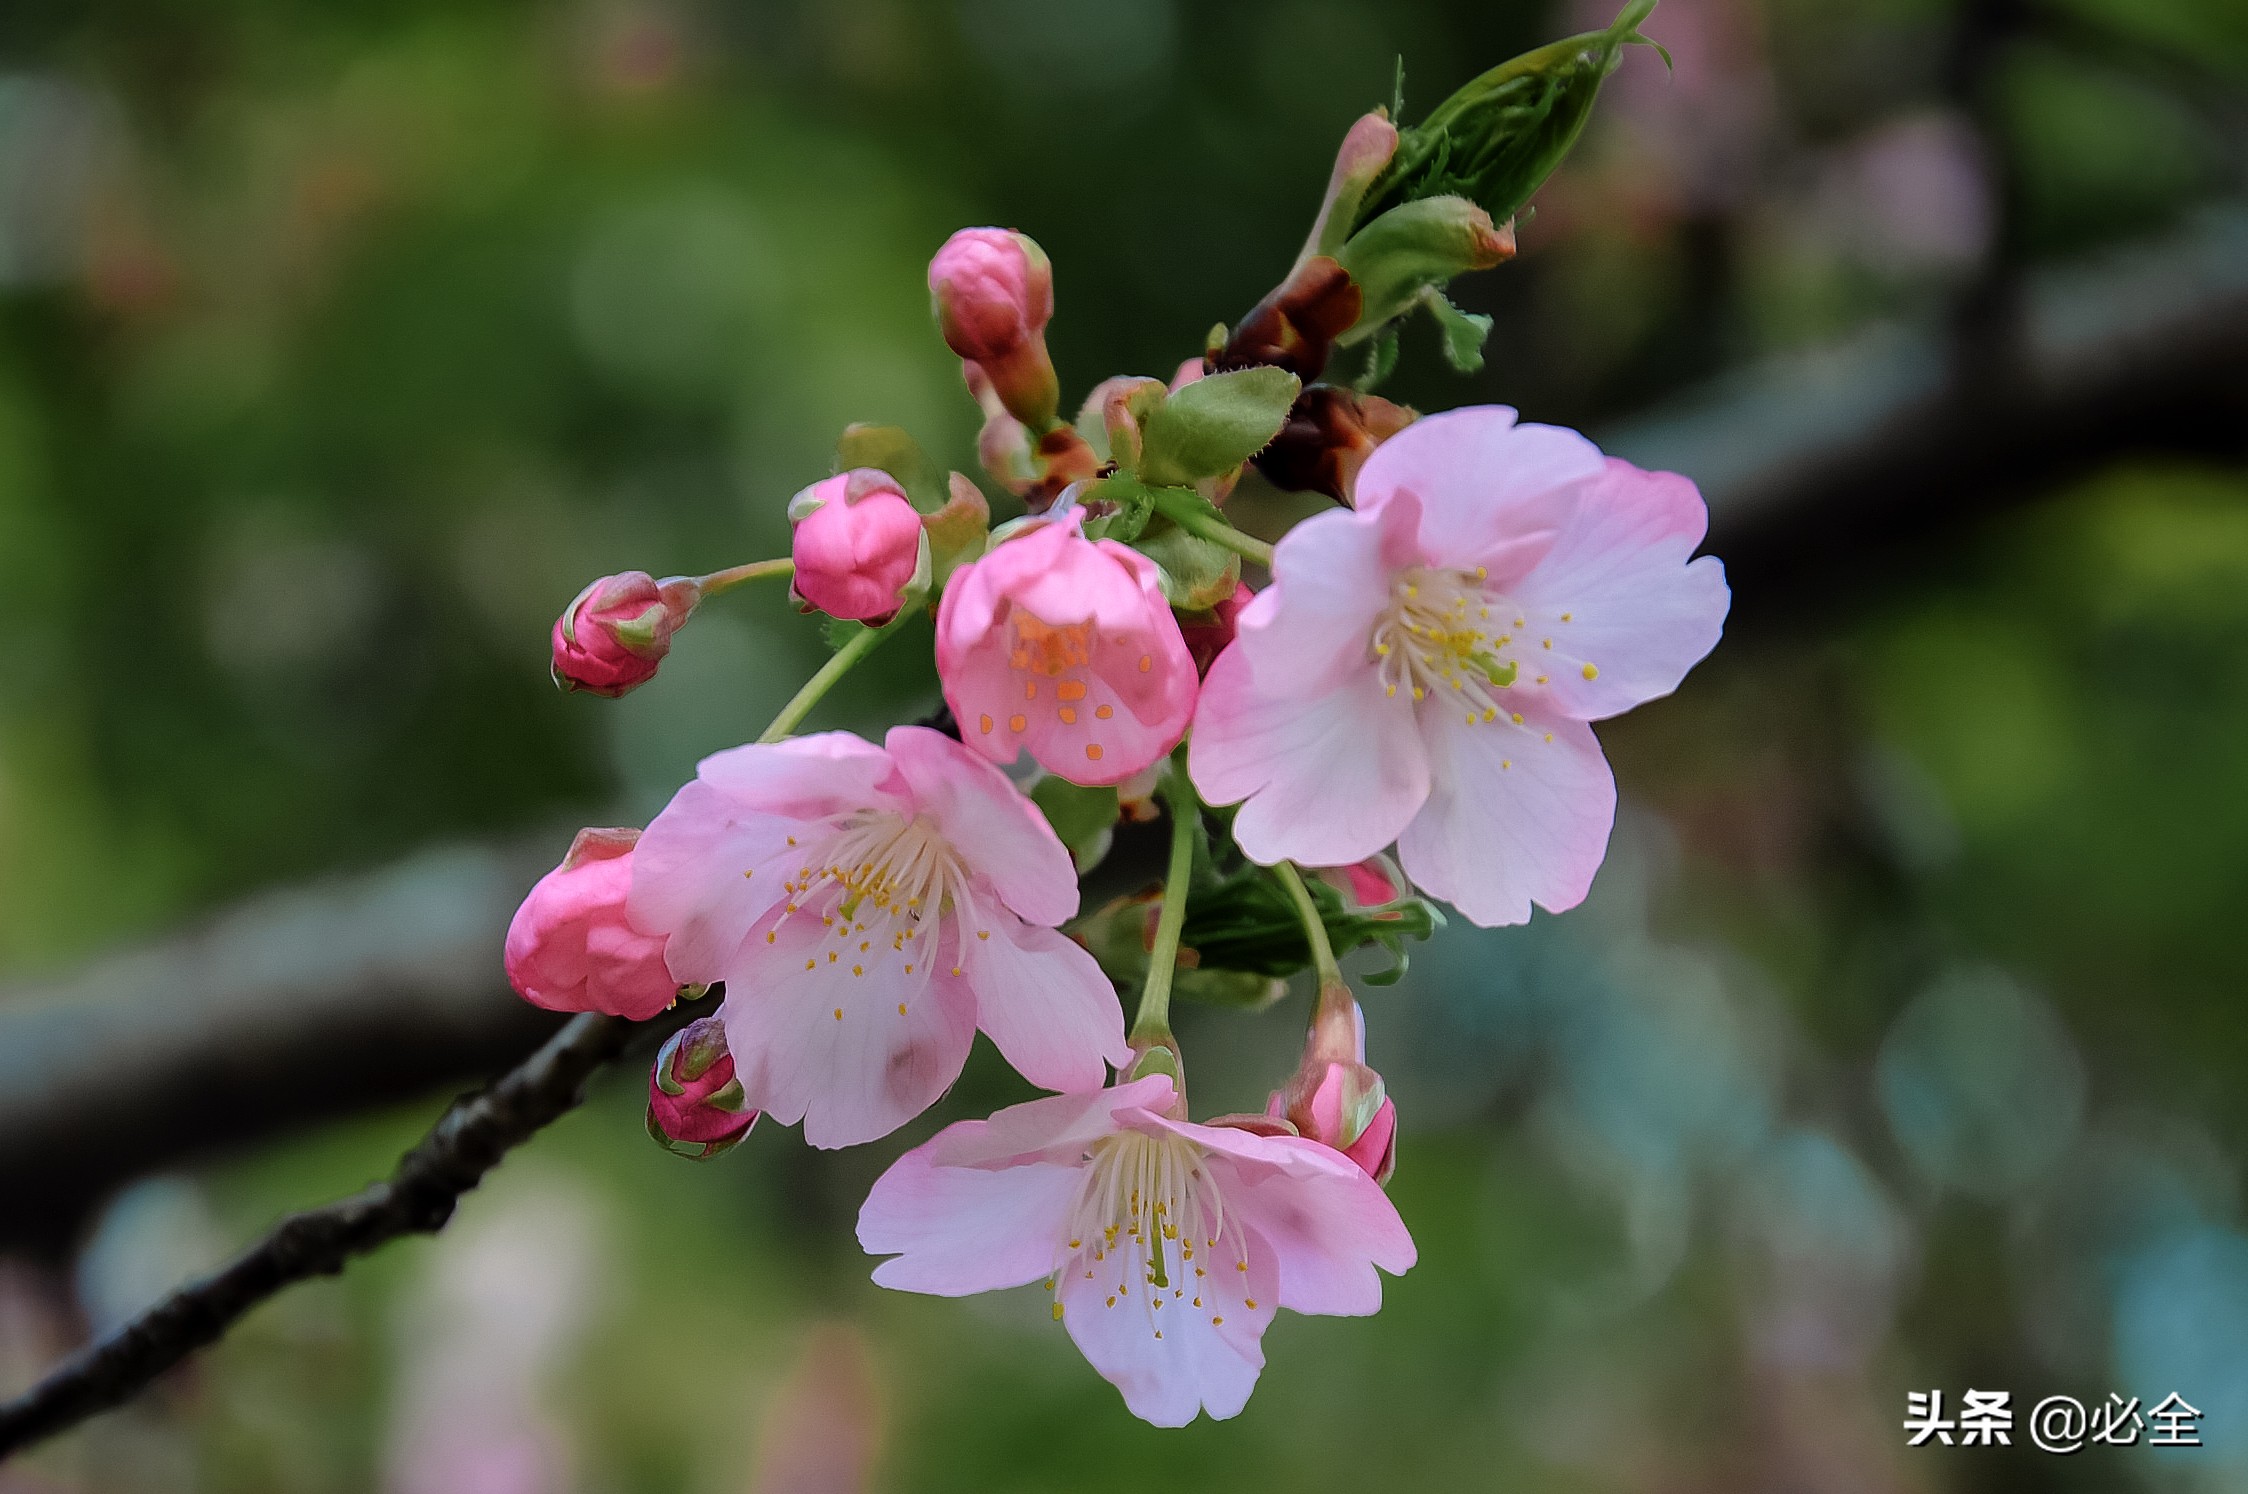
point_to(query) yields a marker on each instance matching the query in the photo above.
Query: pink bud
(611, 638)
(696, 1107)
(858, 544)
(570, 947)
(993, 290)
(1334, 1098)
(1207, 637)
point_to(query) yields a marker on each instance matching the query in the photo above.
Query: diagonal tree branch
(418, 1198)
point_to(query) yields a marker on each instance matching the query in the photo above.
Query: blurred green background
(1901, 1046)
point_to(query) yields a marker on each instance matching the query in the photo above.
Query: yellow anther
(1592, 672)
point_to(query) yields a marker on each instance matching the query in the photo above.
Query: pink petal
(958, 1230)
(991, 826)
(1471, 468)
(851, 1077)
(1511, 818)
(804, 778)
(1328, 777)
(1329, 1227)
(1043, 1000)
(1330, 582)
(707, 869)
(1198, 1364)
(1057, 1128)
(1635, 608)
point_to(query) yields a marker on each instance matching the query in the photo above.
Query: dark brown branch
(418, 1198)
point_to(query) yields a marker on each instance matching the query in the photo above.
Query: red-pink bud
(696, 1107)
(858, 544)
(611, 638)
(1206, 636)
(1334, 1098)
(571, 947)
(993, 290)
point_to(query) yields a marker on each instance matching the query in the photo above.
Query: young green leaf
(1215, 424)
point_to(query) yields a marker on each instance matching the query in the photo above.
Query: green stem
(1217, 531)
(862, 643)
(732, 576)
(1315, 927)
(1153, 1024)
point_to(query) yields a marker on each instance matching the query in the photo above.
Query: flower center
(876, 888)
(1438, 635)
(1149, 1226)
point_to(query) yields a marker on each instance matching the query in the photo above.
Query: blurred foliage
(340, 345)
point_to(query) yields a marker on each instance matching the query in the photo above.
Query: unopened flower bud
(1410, 248)
(1366, 151)
(1207, 635)
(1335, 1098)
(611, 638)
(571, 947)
(993, 292)
(696, 1107)
(858, 545)
(1329, 435)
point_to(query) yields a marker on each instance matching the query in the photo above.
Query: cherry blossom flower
(1065, 646)
(869, 908)
(1421, 670)
(570, 947)
(1168, 1245)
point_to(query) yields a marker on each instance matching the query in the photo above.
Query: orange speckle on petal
(1071, 689)
(1093, 751)
(1017, 723)
(1069, 716)
(1030, 689)
(985, 723)
(1104, 712)
(1147, 662)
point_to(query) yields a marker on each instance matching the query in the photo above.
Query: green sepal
(1498, 138)
(693, 1151)
(1215, 424)
(1464, 331)
(1399, 255)
(958, 531)
(839, 631)
(1196, 574)
(1381, 360)
(1083, 819)
(888, 448)
(1248, 922)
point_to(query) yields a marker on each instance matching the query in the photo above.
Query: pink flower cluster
(1407, 705)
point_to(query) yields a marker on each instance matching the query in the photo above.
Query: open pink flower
(869, 908)
(1169, 1244)
(1421, 670)
(1065, 646)
(570, 947)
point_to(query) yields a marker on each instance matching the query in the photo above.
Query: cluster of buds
(1401, 711)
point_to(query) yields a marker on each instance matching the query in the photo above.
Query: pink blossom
(571, 948)
(858, 544)
(611, 638)
(869, 908)
(695, 1106)
(1169, 1244)
(1421, 670)
(1065, 646)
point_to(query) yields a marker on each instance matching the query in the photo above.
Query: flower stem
(1217, 531)
(732, 576)
(1153, 1024)
(860, 645)
(1315, 927)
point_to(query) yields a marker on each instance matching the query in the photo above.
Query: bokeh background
(1902, 1045)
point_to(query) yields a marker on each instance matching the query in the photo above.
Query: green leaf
(1215, 424)
(1082, 817)
(1498, 138)
(1197, 574)
(1248, 922)
(888, 448)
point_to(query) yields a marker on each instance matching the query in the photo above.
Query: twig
(418, 1198)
